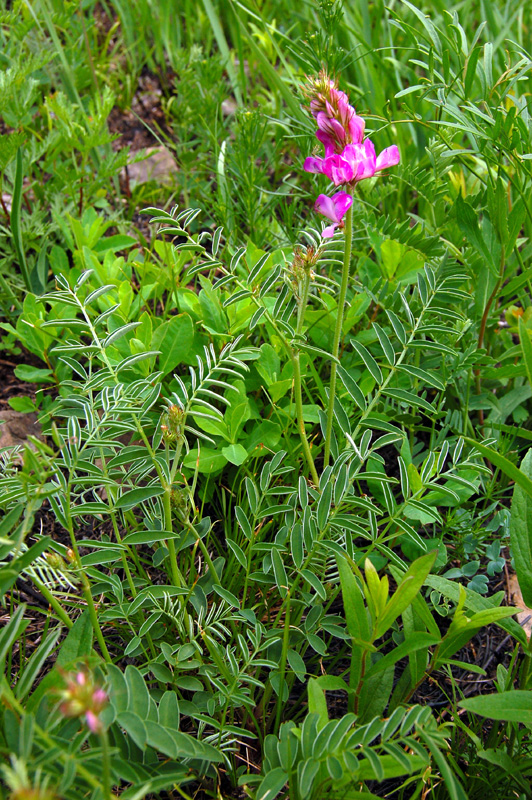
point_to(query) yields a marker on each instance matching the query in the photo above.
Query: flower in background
(82, 697)
(17, 780)
(334, 208)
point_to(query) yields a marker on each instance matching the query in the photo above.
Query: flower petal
(327, 141)
(328, 232)
(313, 164)
(367, 160)
(388, 158)
(330, 126)
(342, 202)
(326, 206)
(356, 129)
(337, 169)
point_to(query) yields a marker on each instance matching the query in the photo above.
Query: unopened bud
(82, 697)
(55, 561)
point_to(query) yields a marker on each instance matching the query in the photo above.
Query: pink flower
(356, 162)
(334, 208)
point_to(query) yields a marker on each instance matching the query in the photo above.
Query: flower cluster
(349, 158)
(82, 697)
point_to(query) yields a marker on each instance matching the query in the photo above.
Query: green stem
(106, 766)
(338, 331)
(298, 395)
(282, 666)
(84, 580)
(177, 578)
(53, 601)
(300, 423)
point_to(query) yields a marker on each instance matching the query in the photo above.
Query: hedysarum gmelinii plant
(348, 159)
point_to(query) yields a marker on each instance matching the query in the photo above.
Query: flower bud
(82, 697)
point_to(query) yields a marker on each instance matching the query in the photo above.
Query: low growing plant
(258, 462)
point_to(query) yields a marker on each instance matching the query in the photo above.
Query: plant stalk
(298, 394)
(338, 332)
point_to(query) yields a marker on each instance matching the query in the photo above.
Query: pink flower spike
(313, 164)
(328, 232)
(388, 158)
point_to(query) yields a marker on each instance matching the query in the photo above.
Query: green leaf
(369, 361)
(228, 596)
(521, 532)
(149, 537)
(137, 496)
(412, 399)
(414, 642)
(207, 460)
(279, 573)
(265, 436)
(475, 602)
(526, 347)
(407, 590)
(315, 582)
(423, 375)
(139, 697)
(160, 739)
(468, 224)
(504, 464)
(78, 642)
(235, 454)
(169, 710)
(22, 404)
(498, 209)
(174, 339)
(352, 388)
(134, 727)
(16, 213)
(33, 374)
(103, 556)
(120, 241)
(272, 784)
(512, 706)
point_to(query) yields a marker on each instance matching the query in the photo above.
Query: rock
(524, 617)
(229, 106)
(159, 165)
(15, 427)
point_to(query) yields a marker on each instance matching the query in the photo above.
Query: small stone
(159, 165)
(15, 427)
